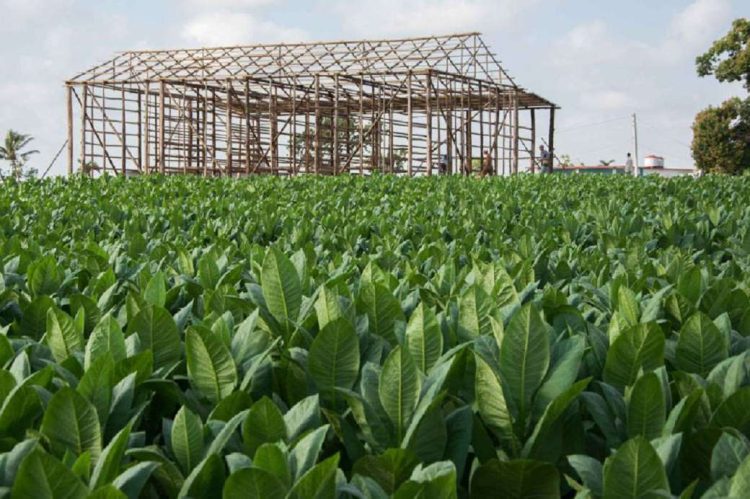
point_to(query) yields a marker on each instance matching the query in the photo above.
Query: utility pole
(635, 144)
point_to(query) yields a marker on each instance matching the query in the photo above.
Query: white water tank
(653, 161)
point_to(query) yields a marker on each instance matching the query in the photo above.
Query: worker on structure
(629, 165)
(486, 164)
(545, 160)
(443, 164)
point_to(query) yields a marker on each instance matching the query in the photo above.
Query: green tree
(729, 58)
(721, 135)
(14, 151)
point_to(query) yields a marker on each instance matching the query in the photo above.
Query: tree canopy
(721, 135)
(729, 58)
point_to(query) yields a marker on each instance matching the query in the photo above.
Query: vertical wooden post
(204, 120)
(317, 124)
(307, 138)
(230, 150)
(551, 139)
(162, 129)
(410, 125)
(515, 134)
(247, 125)
(449, 138)
(70, 129)
(335, 127)
(361, 125)
(140, 131)
(124, 130)
(147, 168)
(469, 133)
(190, 138)
(428, 110)
(481, 124)
(274, 131)
(84, 112)
(213, 132)
(293, 145)
(533, 141)
(391, 148)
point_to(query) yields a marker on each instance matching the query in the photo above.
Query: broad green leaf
(63, 337)
(424, 338)
(206, 479)
(70, 423)
(109, 463)
(210, 366)
(701, 346)
(253, 483)
(646, 408)
(591, 472)
(547, 430)
(727, 456)
(264, 423)
(106, 338)
(187, 439)
(305, 453)
(318, 483)
(733, 412)
(515, 480)
(524, 358)
(634, 470)
(636, 348)
(491, 401)
(41, 476)
(399, 388)
(740, 484)
(132, 480)
(382, 309)
(281, 286)
(157, 332)
(474, 308)
(333, 360)
(44, 277)
(389, 469)
(156, 290)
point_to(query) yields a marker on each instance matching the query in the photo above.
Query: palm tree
(12, 150)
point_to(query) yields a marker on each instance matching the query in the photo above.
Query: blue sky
(599, 60)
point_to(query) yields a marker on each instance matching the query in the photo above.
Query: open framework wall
(322, 122)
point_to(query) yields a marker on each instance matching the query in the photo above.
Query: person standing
(486, 164)
(545, 160)
(629, 165)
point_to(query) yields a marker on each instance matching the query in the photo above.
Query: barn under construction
(419, 106)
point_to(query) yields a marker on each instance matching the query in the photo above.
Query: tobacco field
(367, 338)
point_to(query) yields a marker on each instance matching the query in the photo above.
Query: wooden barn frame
(418, 106)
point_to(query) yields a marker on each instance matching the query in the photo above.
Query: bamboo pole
(70, 128)
(335, 127)
(410, 125)
(230, 138)
(533, 141)
(124, 131)
(162, 142)
(361, 126)
(428, 111)
(140, 131)
(551, 140)
(317, 124)
(515, 134)
(148, 128)
(84, 116)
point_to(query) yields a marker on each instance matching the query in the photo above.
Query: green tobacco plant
(381, 337)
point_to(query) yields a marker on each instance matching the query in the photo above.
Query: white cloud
(417, 17)
(230, 28)
(234, 4)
